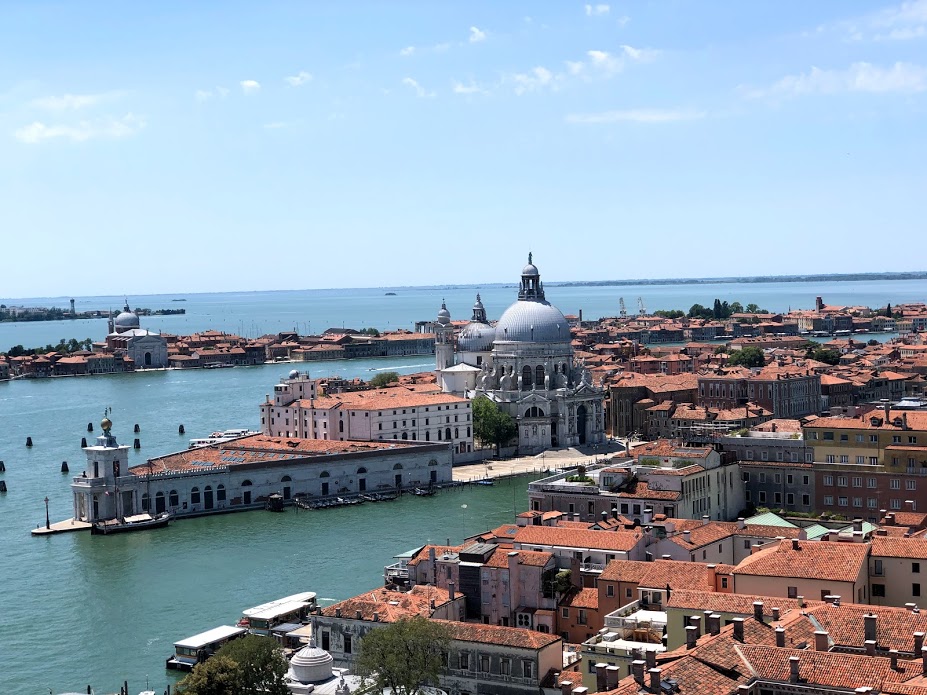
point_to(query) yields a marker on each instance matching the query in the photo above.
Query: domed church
(525, 363)
(126, 337)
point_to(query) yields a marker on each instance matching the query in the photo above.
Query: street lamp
(47, 520)
(463, 512)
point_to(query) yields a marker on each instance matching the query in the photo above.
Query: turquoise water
(81, 610)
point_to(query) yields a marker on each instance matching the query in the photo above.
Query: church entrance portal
(581, 423)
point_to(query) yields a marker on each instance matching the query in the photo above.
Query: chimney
(604, 516)
(612, 676)
(857, 525)
(893, 655)
(794, 662)
(918, 642)
(870, 645)
(910, 606)
(600, 677)
(433, 604)
(775, 614)
(741, 522)
(614, 512)
(581, 690)
(650, 656)
(376, 617)
(654, 680)
(801, 601)
(648, 515)
(780, 636)
(821, 641)
(795, 544)
(687, 536)
(360, 616)
(758, 611)
(637, 670)
(696, 622)
(738, 629)
(450, 591)
(691, 636)
(566, 688)
(869, 627)
(337, 612)
(705, 519)
(714, 623)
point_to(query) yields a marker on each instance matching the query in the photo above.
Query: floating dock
(66, 526)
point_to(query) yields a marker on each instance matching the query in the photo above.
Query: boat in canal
(260, 620)
(196, 649)
(136, 522)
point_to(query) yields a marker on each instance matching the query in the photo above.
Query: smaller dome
(106, 424)
(531, 270)
(444, 316)
(126, 320)
(312, 664)
(476, 337)
(294, 374)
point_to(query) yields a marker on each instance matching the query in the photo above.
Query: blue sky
(173, 147)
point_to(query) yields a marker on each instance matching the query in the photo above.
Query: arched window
(447, 433)
(405, 435)
(439, 435)
(456, 433)
(220, 493)
(526, 377)
(146, 503)
(246, 483)
(433, 462)
(539, 375)
(468, 432)
(286, 479)
(397, 467)
(427, 436)
(174, 499)
(195, 496)
(361, 470)
(325, 474)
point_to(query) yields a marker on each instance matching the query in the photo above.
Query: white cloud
(623, 20)
(640, 55)
(636, 116)
(535, 79)
(902, 22)
(407, 51)
(597, 10)
(299, 79)
(72, 102)
(202, 95)
(859, 77)
(109, 128)
(472, 88)
(420, 91)
(250, 86)
(476, 36)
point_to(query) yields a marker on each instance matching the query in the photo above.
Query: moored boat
(196, 649)
(137, 522)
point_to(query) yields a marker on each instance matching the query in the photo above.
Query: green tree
(716, 310)
(491, 425)
(216, 676)
(825, 355)
(750, 356)
(370, 331)
(403, 656)
(384, 378)
(697, 311)
(752, 309)
(736, 308)
(669, 313)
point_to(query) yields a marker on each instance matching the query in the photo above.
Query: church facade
(127, 338)
(525, 364)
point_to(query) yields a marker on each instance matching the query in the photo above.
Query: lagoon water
(81, 610)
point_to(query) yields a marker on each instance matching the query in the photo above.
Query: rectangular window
(484, 663)
(793, 592)
(916, 567)
(841, 501)
(805, 480)
(857, 480)
(857, 501)
(828, 480)
(841, 481)
(896, 504)
(844, 438)
(878, 590)
(347, 644)
(828, 436)
(610, 590)
(873, 439)
(789, 498)
(788, 479)
(829, 500)
(463, 662)
(915, 589)
(877, 568)
(806, 500)
(777, 497)
(910, 484)
(895, 484)
(871, 482)
(778, 478)
(873, 460)
(527, 669)
(859, 437)
(762, 496)
(860, 460)
(565, 613)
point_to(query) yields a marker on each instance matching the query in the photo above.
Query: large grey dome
(126, 320)
(476, 337)
(531, 321)
(312, 664)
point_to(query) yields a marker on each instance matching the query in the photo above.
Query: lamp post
(47, 520)
(463, 513)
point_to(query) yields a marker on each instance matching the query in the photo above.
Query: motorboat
(136, 522)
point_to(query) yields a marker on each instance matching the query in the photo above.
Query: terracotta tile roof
(657, 574)
(389, 606)
(384, 399)
(424, 553)
(735, 603)
(528, 558)
(501, 636)
(895, 627)
(833, 561)
(261, 449)
(640, 489)
(582, 598)
(577, 538)
(887, 546)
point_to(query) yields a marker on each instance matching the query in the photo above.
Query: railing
(474, 674)
(398, 569)
(592, 567)
(90, 482)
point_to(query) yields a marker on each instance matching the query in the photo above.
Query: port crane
(640, 307)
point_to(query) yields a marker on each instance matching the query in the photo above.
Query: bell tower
(444, 339)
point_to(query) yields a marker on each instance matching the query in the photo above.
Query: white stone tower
(96, 492)
(444, 340)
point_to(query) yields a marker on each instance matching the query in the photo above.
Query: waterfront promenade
(555, 459)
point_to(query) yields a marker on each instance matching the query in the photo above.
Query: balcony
(398, 570)
(90, 483)
(591, 567)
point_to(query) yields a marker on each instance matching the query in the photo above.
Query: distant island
(390, 294)
(834, 277)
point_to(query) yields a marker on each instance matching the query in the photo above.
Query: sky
(221, 146)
